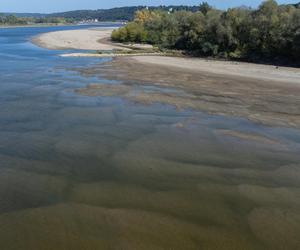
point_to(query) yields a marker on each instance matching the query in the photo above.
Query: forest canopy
(270, 32)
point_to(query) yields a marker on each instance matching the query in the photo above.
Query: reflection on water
(81, 172)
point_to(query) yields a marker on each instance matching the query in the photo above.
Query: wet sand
(259, 93)
(260, 72)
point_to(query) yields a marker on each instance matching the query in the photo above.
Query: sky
(50, 6)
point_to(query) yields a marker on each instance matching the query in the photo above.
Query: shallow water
(80, 172)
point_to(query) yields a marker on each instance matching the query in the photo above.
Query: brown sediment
(80, 226)
(248, 136)
(136, 94)
(277, 227)
(260, 100)
(168, 189)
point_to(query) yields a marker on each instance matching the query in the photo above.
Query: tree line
(15, 20)
(269, 33)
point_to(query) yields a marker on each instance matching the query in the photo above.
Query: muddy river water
(106, 172)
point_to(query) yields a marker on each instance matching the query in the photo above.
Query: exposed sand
(87, 39)
(249, 70)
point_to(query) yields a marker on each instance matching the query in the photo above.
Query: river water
(79, 172)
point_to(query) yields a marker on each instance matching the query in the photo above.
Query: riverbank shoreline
(261, 93)
(98, 38)
(83, 39)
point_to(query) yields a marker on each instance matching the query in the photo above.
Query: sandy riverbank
(98, 39)
(239, 69)
(87, 39)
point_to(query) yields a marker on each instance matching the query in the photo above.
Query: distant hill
(122, 13)
(114, 14)
(125, 13)
(33, 15)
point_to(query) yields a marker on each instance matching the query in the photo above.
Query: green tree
(271, 32)
(205, 7)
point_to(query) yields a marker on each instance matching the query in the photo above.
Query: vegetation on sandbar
(271, 32)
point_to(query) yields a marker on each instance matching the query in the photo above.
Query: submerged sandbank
(203, 85)
(100, 173)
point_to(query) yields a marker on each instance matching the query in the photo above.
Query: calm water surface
(81, 172)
